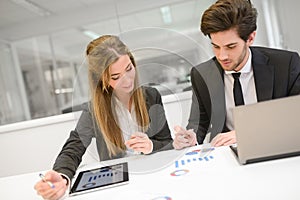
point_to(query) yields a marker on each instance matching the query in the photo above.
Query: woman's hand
(59, 188)
(140, 142)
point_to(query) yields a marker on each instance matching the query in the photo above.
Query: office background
(42, 44)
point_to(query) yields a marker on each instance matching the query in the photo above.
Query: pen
(49, 183)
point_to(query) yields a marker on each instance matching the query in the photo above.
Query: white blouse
(126, 121)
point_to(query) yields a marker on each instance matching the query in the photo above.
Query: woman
(123, 117)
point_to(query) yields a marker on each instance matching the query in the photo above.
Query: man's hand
(184, 138)
(224, 139)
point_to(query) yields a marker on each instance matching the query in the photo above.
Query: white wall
(288, 13)
(32, 146)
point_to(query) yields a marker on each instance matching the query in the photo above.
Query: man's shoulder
(271, 51)
(205, 64)
(208, 66)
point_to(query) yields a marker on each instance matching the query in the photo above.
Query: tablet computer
(100, 178)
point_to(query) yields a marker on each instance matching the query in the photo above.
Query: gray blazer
(71, 154)
(276, 75)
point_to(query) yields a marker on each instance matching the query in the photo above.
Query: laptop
(267, 130)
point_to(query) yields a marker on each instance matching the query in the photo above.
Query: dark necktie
(237, 90)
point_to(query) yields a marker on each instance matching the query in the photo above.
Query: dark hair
(227, 14)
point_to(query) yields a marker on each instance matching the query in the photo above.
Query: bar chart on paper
(198, 155)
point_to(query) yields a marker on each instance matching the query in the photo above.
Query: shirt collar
(120, 105)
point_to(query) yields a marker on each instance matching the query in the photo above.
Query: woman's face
(122, 75)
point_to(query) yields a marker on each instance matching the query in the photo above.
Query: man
(264, 74)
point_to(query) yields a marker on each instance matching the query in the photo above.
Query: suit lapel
(263, 75)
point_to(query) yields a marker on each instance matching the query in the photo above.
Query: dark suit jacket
(276, 75)
(71, 154)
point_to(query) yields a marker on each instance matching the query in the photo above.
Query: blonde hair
(101, 54)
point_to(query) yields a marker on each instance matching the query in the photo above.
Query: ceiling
(141, 23)
(18, 22)
(63, 21)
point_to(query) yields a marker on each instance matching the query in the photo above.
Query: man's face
(230, 50)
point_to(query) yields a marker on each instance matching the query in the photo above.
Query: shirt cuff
(151, 146)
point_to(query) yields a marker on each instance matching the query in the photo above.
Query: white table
(216, 175)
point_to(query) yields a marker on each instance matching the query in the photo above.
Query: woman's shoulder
(86, 106)
(150, 91)
(152, 95)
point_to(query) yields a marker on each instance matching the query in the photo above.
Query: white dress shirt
(248, 89)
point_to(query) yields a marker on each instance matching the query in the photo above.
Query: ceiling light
(166, 14)
(91, 34)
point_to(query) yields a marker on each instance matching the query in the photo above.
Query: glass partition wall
(43, 72)
(13, 99)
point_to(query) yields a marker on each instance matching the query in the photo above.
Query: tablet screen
(100, 178)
